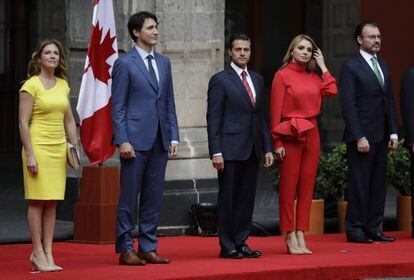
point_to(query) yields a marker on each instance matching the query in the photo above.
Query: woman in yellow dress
(45, 116)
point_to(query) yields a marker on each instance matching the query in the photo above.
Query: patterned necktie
(246, 85)
(152, 71)
(376, 70)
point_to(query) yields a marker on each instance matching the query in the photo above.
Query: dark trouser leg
(377, 189)
(359, 170)
(228, 181)
(150, 201)
(244, 197)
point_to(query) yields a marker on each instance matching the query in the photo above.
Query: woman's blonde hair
(34, 67)
(293, 44)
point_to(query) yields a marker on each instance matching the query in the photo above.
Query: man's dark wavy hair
(136, 21)
(237, 36)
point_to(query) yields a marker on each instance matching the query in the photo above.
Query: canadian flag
(94, 102)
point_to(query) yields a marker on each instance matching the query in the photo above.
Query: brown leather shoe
(130, 258)
(153, 257)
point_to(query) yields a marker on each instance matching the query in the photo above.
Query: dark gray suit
(368, 110)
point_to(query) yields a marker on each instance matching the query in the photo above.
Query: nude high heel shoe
(302, 244)
(57, 268)
(51, 262)
(292, 244)
(39, 268)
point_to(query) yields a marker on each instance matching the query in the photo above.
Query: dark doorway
(13, 59)
(271, 25)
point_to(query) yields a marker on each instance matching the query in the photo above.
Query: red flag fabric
(94, 102)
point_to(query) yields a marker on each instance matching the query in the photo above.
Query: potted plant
(334, 169)
(398, 174)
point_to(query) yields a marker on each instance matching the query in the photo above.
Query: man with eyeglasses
(370, 127)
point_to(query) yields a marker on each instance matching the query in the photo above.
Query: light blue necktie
(376, 70)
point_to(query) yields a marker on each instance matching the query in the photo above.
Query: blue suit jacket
(367, 107)
(137, 107)
(234, 126)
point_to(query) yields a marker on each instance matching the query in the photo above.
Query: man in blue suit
(238, 135)
(145, 128)
(370, 126)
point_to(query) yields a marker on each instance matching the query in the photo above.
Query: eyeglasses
(373, 37)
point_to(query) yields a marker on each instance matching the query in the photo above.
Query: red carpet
(196, 258)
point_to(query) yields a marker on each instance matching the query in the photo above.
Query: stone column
(339, 20)
(192, 36)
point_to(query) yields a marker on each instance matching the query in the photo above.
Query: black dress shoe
(362, 238)
(247, 252)
(380, 237)
(230, 254)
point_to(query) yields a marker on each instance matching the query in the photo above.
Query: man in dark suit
(407, 112)
(370, 126)
(145, 128)
(238, 135)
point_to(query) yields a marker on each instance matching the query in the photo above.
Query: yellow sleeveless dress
(47, 133)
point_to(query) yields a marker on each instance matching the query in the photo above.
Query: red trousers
(297, 180)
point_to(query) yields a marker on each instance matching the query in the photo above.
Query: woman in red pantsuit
(296, 98)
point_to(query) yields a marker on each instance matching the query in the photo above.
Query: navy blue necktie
(152, 71)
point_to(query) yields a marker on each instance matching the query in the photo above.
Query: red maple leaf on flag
(99, 52)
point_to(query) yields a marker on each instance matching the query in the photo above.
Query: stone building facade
(192, 34)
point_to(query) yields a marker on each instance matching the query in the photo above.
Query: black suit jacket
(407, 105)
(234, 125)
(367, 107)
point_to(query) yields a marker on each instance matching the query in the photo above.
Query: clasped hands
(127, 151)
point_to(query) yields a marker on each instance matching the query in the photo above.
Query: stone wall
(191, 34)
(339, 18)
